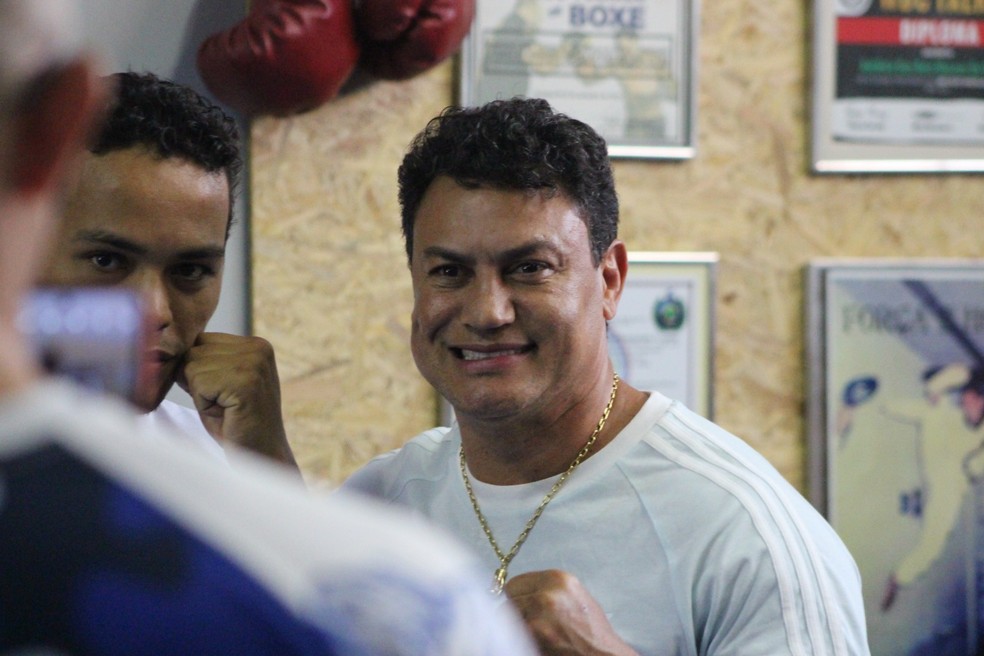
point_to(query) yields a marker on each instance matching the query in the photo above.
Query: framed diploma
(662, 338)
(625, 67)
(898, 86)
(895, 410)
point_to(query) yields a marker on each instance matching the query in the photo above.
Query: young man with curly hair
(151, 211)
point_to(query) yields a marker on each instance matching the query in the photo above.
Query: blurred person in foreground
(616, 520)
(151, 211)
(118, 545)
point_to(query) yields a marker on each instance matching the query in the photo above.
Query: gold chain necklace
(499, 578)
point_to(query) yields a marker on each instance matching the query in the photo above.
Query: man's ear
(614, 267)
(51, 125)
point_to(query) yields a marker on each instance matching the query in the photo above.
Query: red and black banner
(932, 49)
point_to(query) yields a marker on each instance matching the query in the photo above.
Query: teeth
(477, 355)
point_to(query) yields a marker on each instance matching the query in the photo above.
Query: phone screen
(94, 336)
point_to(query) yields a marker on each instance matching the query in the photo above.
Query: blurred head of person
(49, 95)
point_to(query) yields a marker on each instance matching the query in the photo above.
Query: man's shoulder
(364, 573)
(343, 567)
(54, 411)
(424, 457)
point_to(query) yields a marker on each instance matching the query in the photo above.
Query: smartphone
(95, 336)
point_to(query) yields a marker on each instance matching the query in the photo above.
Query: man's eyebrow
(104, 238)
(441, 253)
(528, 249)
(203, 253)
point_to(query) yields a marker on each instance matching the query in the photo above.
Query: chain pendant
(498, 581)
(499, 578)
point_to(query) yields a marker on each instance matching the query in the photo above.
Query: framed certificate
(895, 410)
(625, 67)
(662, 338)
(898, 86)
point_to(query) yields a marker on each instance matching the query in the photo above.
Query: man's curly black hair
(519, 144)
(170, 120)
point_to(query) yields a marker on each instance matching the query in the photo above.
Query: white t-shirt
(116, 545)
(181, 422)
(688, 538)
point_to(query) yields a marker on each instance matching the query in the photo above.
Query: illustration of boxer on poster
(904, 382)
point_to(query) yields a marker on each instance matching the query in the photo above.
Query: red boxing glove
(286, 56)
(401, 38)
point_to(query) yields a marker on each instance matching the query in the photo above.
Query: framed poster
(898, 86)
(625, 67)
(896, 420)
(662, 337)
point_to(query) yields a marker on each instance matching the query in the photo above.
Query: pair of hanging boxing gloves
(290, 56)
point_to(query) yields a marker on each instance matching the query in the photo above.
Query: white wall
(162, 36)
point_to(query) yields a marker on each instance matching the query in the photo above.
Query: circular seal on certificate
(669, 313)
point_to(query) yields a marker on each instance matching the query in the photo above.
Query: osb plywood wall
(332, 292)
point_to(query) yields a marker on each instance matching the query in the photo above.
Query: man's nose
(490, 305)
(153, 289)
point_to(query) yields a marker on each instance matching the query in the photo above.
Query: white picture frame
(628, 68)
(896, 90)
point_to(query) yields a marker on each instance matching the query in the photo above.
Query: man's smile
(471, 354)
